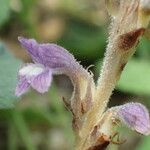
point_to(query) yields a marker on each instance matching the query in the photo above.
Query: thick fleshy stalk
(124, 37)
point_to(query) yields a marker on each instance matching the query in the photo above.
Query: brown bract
(102, 143)
(128, 40)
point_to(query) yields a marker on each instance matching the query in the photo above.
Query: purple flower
(51, 59)
(135, 116)
(48, 59)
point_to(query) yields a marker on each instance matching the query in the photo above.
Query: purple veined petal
(22, 86)
(32, 47)
(135, 116)
(50, 55)
(42, 82)
(36, 76)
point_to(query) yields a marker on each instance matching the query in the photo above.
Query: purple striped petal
(22, 86)
(32, 47)
(42, 82)
(135, 116)
(36, 76)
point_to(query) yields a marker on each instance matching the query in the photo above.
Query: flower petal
(135, 116)
(42, 82)
(31, 70)
(50, 55)
(32, 47)
(35, 75)
(22, 86)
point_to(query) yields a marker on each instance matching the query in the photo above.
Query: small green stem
(23, 130)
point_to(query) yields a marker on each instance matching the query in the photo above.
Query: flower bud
(135, 116)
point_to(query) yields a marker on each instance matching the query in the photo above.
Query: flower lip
(22, 86)
(31, 70)
(36, 76)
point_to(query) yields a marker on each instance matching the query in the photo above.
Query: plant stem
(121, 46)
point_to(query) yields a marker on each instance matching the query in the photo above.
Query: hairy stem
(124, 37)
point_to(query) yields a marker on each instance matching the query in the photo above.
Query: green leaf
(8, 77)
(4, 10)
(144, 144)
(143, 49)
(135, 78)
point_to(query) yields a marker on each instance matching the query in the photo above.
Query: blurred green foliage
(87, 42)
(144, 145)
(143, 51)
(8, 77)
(51, 115)
(25, 16)
(136, 77)
(4, 11)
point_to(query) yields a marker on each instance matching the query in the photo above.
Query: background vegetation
(41, 122)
